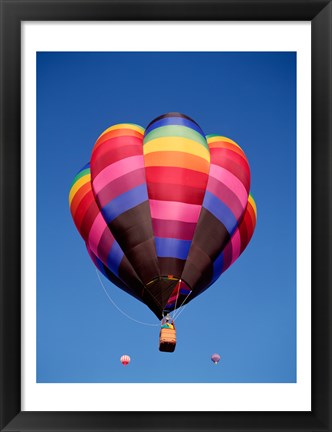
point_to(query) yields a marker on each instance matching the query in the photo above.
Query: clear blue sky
(249, 315)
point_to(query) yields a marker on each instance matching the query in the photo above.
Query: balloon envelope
(125, 360)
(164, 211)
(215, 358)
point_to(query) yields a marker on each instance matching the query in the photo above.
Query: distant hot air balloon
(164, 211)
(215, 358)
(125, 360)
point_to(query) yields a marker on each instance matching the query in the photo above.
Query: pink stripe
(236, 245)
(231, 181)
(96, 232)
(173, 229)
(116, 170)
(173, 210)
(227, 196)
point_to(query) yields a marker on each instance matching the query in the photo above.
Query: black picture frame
(13, 12)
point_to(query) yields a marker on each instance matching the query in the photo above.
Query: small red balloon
(125, 360)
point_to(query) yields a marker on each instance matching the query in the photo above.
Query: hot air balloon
(125, 360)
(164, 211)
(215, 358)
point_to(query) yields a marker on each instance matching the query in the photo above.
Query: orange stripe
(229, 146)
(253, 204)
(80, 194)
(117, 133)
(177, 159)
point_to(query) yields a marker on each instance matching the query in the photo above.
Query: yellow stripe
(252, 202)
(222, 138)
(123, 126)
(76, 186)
(177, 144)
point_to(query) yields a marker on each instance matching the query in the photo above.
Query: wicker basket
(167, 340)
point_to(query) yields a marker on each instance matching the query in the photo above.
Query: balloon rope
(176, 301)
(180, 311)
(120, 310)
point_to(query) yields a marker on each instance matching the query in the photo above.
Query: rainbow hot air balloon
(164, 211)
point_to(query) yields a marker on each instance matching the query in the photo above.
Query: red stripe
(220, 153)
(252, 213)
(88, 219)
(107, 155)
(176, 176)
(173, 229)
(120, 185)
(82, 209)
(245, 228)
(227, 145)
(118, 142)
(179, 193)
(79, 195)
(240, 170)
(117, 133)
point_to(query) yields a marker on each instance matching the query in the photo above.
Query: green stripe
(175, 131)
(211, 136)
(79, 175)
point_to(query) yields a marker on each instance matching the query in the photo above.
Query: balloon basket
(167, 340)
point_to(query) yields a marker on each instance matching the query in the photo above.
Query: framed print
(145, 150)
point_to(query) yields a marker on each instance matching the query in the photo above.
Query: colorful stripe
(115, 134)
(114, 258)
(121, 185)
(220, 211)
(174, 120)
(177, 144)
(121, 127)
(230, 181)
(173, 229)
(171, 247)
(174, 211)
(77, 185)
(112, 151)
(96, 232)
(177, 159)
(116, 170)
(124, 202)
(178, 132)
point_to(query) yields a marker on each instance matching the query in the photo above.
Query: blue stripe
(172, 248)
(124, 202)
(174, 121)
(114, 258)
(184, 291)
(220, 211)
(217, 267)
(86, 166)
